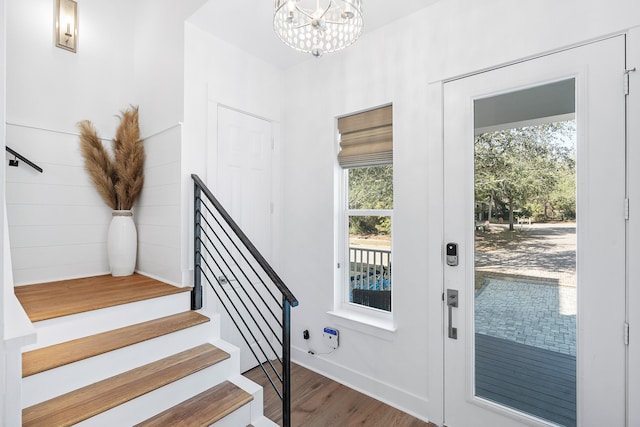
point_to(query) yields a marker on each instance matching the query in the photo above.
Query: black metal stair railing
(256, 300)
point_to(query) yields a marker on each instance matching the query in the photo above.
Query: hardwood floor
(318, 401)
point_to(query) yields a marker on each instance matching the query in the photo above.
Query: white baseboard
(161, 279)
(391, 395)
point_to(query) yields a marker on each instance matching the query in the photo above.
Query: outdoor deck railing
(255, 298)
(370, 277)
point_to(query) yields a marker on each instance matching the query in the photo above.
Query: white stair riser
(214, 319)
(67, 328)
(253, 389)
(48, 384)
(241, 417)
(263, 422)
(231, 349)
(152, 403)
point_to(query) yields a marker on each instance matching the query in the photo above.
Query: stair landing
(56, 299)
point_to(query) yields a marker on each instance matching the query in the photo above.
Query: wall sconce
(67, 24)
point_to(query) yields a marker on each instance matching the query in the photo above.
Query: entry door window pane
(525, 267)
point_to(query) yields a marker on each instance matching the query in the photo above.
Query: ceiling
(526, 107)
(252, 31)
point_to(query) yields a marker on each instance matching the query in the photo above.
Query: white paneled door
(534, 279)
(244, 188)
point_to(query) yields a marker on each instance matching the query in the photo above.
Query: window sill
(361, 322)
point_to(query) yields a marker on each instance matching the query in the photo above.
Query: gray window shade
(366, 139)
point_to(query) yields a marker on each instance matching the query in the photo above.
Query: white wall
(218, 73)
(159, 74)
(51, 88)
(6, 287)
(15, 327)
(464, 37)
(157, 212)
(396, 64)
(158, 59)
(159, 69)
(129, 53)
(389, 66)
(57, 221)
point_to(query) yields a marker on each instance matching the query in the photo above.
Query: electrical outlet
(305, 334)
(330, 337)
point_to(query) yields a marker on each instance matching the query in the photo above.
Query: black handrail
(224, 255)
(23, 158)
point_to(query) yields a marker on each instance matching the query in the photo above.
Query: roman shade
(366, 139)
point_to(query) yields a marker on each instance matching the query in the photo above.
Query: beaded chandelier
(318, 26)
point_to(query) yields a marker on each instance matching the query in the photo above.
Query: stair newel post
(196, 293)
(286, 362)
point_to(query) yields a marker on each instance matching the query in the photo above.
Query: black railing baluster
(286, 365)
(241, 254)
(196, 293)
(223, 251)
(241, 270)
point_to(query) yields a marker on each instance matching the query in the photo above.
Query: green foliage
(529, 168)
(384, 225)
(369, 225)
(563, 197)
(370, 188)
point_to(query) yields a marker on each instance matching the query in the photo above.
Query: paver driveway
(528, 292)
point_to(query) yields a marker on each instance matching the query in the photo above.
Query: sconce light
(67, 24)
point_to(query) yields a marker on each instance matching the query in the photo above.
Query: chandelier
(317, 26)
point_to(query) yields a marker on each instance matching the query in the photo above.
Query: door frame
(633, 226)
(212, 169)
(435, 93)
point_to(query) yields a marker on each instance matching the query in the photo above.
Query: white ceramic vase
(122, 243)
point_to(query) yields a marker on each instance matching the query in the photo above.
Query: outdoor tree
(527, 168)
(563, 196)
(371, 188)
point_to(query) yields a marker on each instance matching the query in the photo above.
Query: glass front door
(534, 189)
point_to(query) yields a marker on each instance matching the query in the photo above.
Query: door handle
(452, 301)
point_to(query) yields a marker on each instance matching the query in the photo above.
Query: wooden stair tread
(83, 403)
(203, 409)
(55, 299)
(46, 358)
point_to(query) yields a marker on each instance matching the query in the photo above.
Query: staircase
(125, 351)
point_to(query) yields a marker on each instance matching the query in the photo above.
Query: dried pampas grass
(119, 179)
(98, 163)
(129, 159)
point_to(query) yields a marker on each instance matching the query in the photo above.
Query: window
(366, 156)
(369, 218)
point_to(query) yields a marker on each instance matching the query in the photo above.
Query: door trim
(530, 58)
(633, 226)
